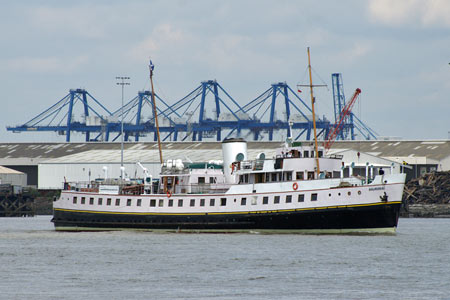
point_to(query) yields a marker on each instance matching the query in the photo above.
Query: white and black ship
(285, 193)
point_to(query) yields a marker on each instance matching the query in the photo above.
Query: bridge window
(274, 177)
(287, 176)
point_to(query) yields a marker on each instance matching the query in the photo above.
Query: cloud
(86, 21)
(430, 13)
(164, 37)
(44, 64)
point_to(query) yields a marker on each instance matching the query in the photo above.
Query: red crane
(344, 113)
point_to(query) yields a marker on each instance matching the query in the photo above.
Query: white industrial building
(12, 177)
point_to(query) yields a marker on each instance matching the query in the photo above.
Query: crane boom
(344, 113)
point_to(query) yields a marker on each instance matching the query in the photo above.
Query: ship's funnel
(233, 150)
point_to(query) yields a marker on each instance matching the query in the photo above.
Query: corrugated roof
(34, 153)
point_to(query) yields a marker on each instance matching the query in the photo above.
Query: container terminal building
(48, 165)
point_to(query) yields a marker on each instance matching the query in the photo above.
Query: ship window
(288, 198)
(299, 175)
(192, 202)
(267, 177)
(108, 201)
(223, 201)
(91, 201)
(276, 199)
(310, 175)
(320, 153)
(305, 153)
(301, 198)
(274, 177)
(83, 200)
(161, 202)
(100, 201)
(246, 178)
(349, 193)
(212, 202)
(243, 201)
(202, 202)
(74, 200)
(201, 180)
(288, 176)
(212, 179)
(336, 174)
(265, 200)
(152, 202)
(314, 197)
(170, 202)
(180, 202)
(128, 202)
(117, 202)
(139, 202)
(241, 178)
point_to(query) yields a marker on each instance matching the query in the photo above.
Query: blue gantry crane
(60, 117)
(296, 113)
(206, 112)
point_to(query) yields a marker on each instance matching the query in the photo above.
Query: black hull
(356, 218)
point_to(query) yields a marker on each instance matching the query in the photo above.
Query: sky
(396, 52)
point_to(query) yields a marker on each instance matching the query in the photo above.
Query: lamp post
(122, 82)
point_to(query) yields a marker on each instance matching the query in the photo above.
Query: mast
(155, 114)
(313, 115)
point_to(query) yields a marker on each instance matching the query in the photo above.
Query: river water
(38, 263)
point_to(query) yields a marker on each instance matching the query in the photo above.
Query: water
(39, 263)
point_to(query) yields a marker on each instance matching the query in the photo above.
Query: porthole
(349, 193)
(359, 192)
(339, 194)
(329, 195)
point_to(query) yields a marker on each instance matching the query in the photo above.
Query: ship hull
(367, 218)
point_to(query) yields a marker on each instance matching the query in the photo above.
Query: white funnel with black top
(233, 150)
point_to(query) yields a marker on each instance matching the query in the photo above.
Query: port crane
(346, 111)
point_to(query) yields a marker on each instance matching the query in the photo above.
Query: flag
(151, 65)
